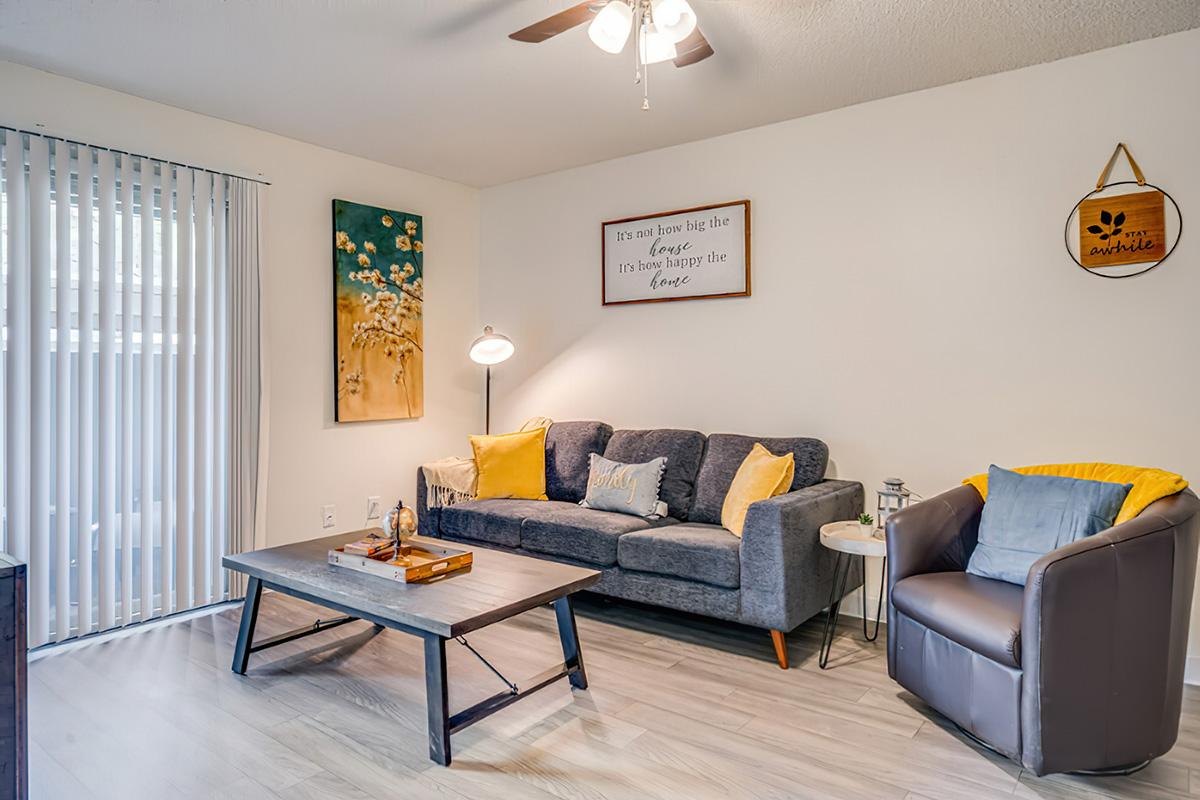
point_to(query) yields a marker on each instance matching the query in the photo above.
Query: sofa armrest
(935, 535)
(1103, 639)
(786, 574)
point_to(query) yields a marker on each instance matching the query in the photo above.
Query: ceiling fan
(666, 30)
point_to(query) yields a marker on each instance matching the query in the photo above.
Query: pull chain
(646, 90)
(639, 38)
(637, 63)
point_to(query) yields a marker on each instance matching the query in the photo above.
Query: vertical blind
(117, 392)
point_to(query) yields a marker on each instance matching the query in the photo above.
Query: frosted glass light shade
(610, 29)
(674, 19)
(655, 46)
(491, 348)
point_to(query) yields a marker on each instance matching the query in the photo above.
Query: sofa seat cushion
(582, 534)
(981, 614)
(683, 451)
(697, 552)
(726, 452)
(492, 521)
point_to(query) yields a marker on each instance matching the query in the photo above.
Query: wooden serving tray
(423, 562)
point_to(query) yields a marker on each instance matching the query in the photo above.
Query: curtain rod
(133, 155)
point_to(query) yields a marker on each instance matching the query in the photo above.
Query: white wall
(913, 303)
(313, 461)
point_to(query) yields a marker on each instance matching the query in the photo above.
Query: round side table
(848, 541)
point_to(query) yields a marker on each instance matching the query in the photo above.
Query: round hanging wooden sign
(1125, 234)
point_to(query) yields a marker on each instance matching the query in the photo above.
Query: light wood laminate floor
(679, 707)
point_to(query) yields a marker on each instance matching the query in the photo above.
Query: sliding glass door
(115, 422)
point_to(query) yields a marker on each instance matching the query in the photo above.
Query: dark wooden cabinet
(14, 729)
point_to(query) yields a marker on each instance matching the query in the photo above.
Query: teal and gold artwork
(379, 292)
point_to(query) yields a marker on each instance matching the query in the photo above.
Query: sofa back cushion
(569, 446)
(683, 451)
(727, 451)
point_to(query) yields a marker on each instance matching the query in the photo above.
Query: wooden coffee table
(497, 586)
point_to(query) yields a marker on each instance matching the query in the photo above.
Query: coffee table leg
(241, 652)
(437, 700)
(572, 657)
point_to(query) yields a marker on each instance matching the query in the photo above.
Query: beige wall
(913, 304)
(313, 461)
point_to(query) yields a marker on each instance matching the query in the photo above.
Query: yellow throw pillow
(760, 476)
(1148, 484)
(511, 465)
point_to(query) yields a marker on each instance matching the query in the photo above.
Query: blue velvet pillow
(1027, 516)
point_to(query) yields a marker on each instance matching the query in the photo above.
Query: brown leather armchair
(1081, 669)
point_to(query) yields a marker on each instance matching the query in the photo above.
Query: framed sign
(690, 254)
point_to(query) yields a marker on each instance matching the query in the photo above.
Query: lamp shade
(491, 348)
(674, 19)
(656, 47)
(610, 29)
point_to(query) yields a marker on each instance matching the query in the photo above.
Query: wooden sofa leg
(779, 639)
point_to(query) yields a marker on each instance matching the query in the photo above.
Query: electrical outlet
(328, 520)
(373, 507)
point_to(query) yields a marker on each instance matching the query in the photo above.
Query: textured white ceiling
(436, 85)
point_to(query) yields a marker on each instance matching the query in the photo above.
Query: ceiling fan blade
(692, 49)
(556, 24)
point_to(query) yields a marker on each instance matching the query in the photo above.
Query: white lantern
(892, 498)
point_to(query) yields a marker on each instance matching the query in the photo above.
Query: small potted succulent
(866, 524)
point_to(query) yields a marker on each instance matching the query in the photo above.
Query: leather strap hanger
(1137, 171)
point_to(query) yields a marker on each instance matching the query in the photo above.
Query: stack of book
(370, 547)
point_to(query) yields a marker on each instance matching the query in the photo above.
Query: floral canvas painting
(378, 268)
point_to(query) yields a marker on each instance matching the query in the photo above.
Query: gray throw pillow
(625, 488)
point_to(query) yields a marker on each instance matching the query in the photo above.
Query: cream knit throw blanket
(449, 481)
(452, 480)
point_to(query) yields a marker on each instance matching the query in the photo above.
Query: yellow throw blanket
(1148, 484)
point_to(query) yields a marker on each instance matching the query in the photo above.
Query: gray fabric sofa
(775, 577)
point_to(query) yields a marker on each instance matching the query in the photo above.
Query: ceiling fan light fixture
(674, 19)
(655, 46)
(610, 29)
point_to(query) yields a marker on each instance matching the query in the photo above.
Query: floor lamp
(491, 348)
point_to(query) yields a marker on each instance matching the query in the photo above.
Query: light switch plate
(328, 520)
(373, 507)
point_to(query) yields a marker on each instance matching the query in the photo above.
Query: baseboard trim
(1191, 673)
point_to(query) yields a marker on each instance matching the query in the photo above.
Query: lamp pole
(489, 349)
